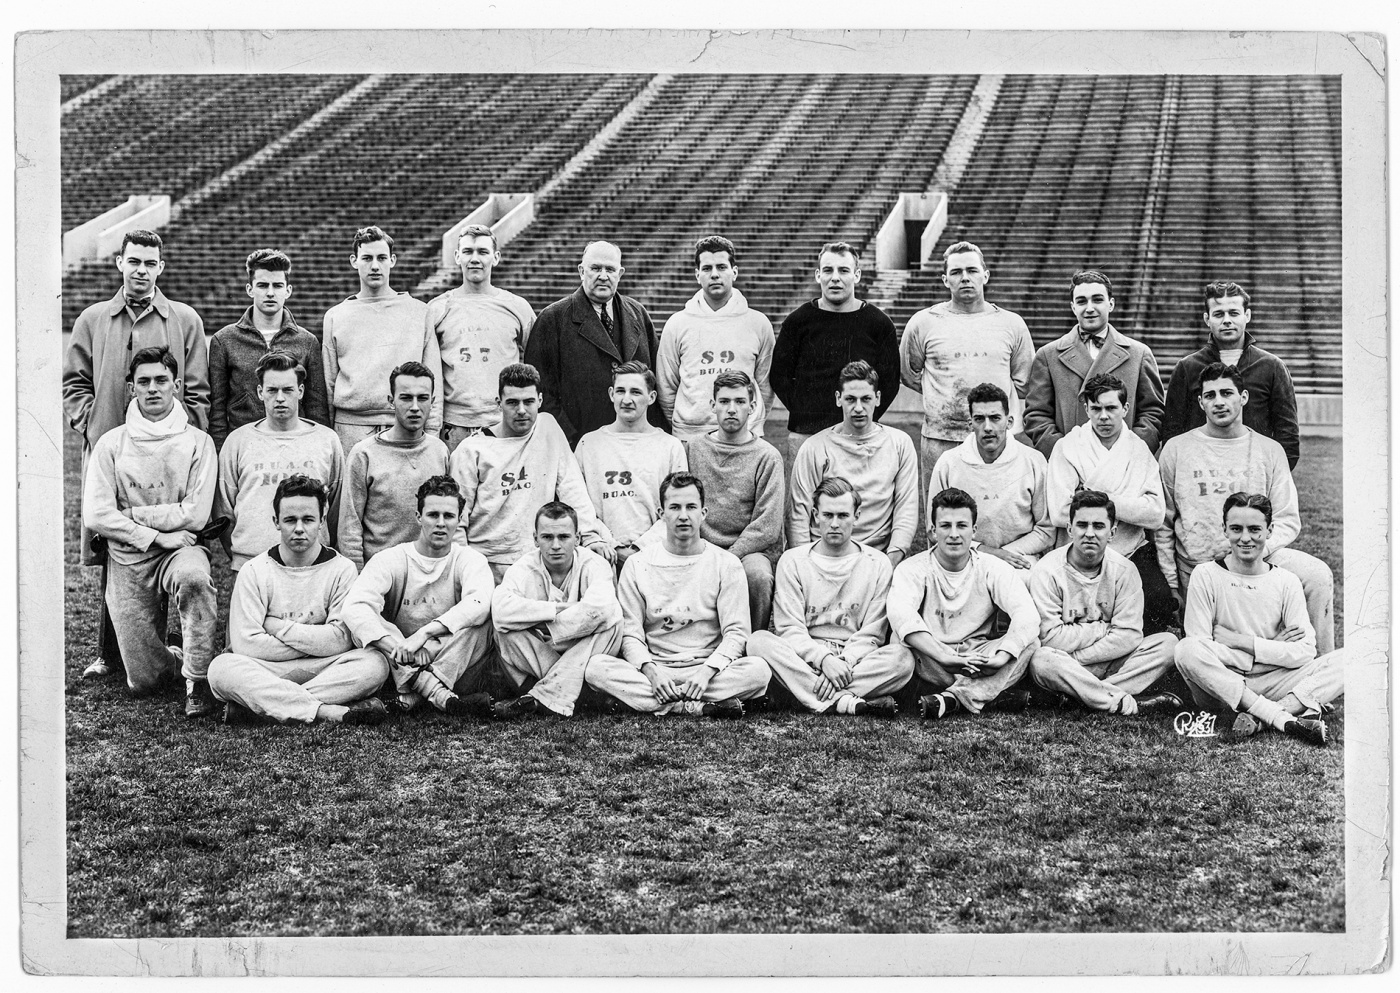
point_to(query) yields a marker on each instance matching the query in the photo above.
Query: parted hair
(958, 248)
(147, 356)
(1219, 370)
(269, 260)
(1092, 498)
(1091, 276)
(1096, 386)
(279, 361)
(368, 234)
(517, 375)
(680, 480)
(556, 510)
(988, 393)
(300, 485)
(732, 379)
(416, 369)
(478, 231)
(635, 367)
(1222, 288)
(859, 369)
(716, 243)
(1253, 501)
(441, 486)
(835, 486)
(838, 248)
(952, 498)
(140, 236)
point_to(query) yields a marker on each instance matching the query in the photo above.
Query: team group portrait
(656, 503)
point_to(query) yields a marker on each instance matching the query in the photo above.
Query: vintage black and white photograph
(706, 486)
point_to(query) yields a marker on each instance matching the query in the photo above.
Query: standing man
(555, 609)
(821, 338)
(235, 351)
(385, 470)
(149, 489)
(292, 658)
(577, 341)
(685, 626)
(955, 345)
(1101, 455)
(1272, 409)
(257, 458)
(1092, 347)
(943, 605)
(1090, 603)
(624, 462)
(1204, 466)
(368, 335)
(830, 648)
(879, 462)
(716, 332)
(1005, 477)
(479, 328)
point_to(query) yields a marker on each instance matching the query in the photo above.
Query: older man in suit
(576, 342)
(1092, 347)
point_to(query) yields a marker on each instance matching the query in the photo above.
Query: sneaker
(199, 700)
(1245, 725)
(97, 669)
(759, 705)
(236, 713)
(936, 705)
(1314, 732)
(724, 709)
(878, 706)
(521, 706)
(472, 705)
(369, 711)
(1159, 703)
(609, 704)
(1011, 702)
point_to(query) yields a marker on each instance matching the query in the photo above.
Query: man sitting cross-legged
(943, 603)
(829, 613)
(1249, 645)
(685, 617)
(1090, 603)
(425, 606)
(292, 657)
(555, 609)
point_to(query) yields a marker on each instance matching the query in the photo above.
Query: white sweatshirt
(507, 480)
(527, 595)
(884, 469)
(478, 334)
(1260, 606)
(684, 609)
(1127, 472)
(623, 474)
(146, 478)
(1091, 618)
(401, 590)
(1010, 494)
(362, 341)
(959, 608)
(279, 612)
(697, 345)
(819, 599)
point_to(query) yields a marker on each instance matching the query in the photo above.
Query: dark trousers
(1159, 608)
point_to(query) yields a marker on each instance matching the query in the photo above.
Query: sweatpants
(460, 666)
(453, 435)
(1103, 685)
(883, 671)
(975, 692)
(930, 449)
(1204, 664)
(795, 440)
(352, 434)
(758, 569)
(134, 601)
(1313, 573)
(559, 674)
(1158, 608)
(294, 690)
(745, 678)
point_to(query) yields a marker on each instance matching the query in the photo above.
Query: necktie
(607, 321)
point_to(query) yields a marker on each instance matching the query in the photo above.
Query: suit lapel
(586, 322)
(1112, 355)
(631, 328)
(1073, 355)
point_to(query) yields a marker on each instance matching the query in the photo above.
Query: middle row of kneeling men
(311, 640)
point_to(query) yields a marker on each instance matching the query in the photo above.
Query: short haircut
(1091, 276)
(636, 367)
(958, 247)
(518, 375)
(300, 485)
(953, 499)
(1251, 501)
(410, 369)
(1092, 498)
(613, 245)
(859, 369)
(1220, 289)
(716, 243)
(368, 234)
(440, 486)
(269, 260)
(680, 480)
(988, 393)
(732, 379)
(834, 486)
(1219, 370)
(149, 356)
(1097, 386)
(279, 361)
(839, 248)
(140, 236)
(556, 510)
(478, 231)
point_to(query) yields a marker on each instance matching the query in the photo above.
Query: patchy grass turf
(782, 822)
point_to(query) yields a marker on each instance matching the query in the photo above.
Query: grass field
(781, 822)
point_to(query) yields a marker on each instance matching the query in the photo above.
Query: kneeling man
(829, 612)
(685, 621)
(1090, 602)
(425, 606)
(555, 609)
(292, 657)
(943, 603)
(1249, 644)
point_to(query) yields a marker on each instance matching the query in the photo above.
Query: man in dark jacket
(1272, 409)
(576, 342)
(234, 352)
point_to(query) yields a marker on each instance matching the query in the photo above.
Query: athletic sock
(846, 703)
(427, 683)
(1127, 705)
(693, 707)
(1270, 713)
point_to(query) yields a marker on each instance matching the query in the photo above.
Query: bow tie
(1095, 339)
(137, 306)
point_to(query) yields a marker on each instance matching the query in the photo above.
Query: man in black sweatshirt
(820, 338)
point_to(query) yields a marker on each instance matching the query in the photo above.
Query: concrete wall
(103, 235)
